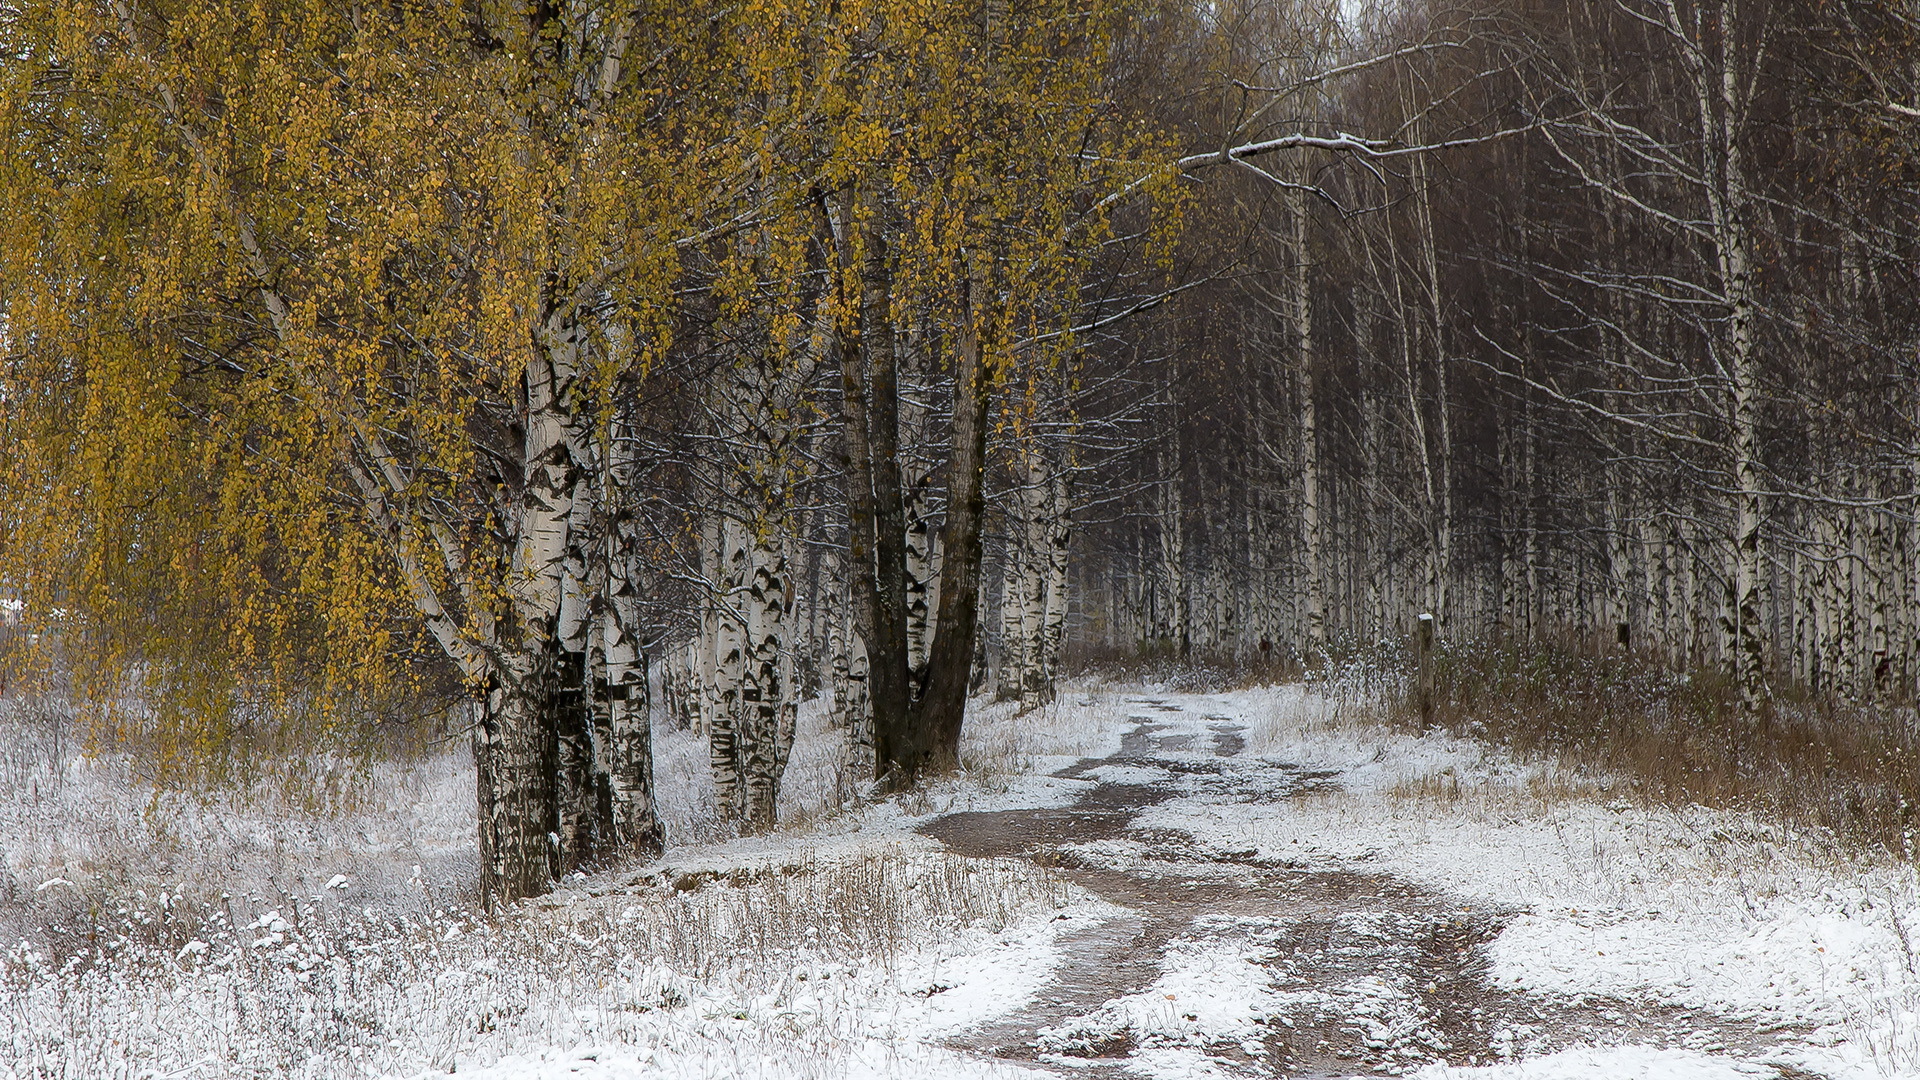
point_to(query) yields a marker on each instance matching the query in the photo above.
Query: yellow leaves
(417, 204)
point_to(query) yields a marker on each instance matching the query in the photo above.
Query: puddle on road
(1226, 739)
(1382, 975)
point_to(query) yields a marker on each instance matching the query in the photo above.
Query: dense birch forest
(540, 373)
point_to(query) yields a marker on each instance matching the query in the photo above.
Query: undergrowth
(314, 986)
(149, 932)
(1681, 737)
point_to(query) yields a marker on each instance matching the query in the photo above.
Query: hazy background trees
(1627, 354)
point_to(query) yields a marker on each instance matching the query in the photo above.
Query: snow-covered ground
(1688, 910)
(850, 944)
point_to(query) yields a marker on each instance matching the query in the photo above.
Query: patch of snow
(867, 1059)
(1128, 774)
(988, 976)
(1608, 1063)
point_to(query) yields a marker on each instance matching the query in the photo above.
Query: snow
(870, 1059)
(848, 945)
(1695, 909)
(1609, 1063)
(992, 978)
(1211, 992)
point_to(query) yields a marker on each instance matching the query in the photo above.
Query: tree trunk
(1722, 111)
(891, 680)
(919, 579)
(513, 751)
(579, 774)
(1173, 555)
(943, 707)
(1053, 628)
(623, 702)
(765, 692)
(1013, 651)
(517, 746)
(876, 542)
(1034, 496)
(1309, 435)
(724, 656)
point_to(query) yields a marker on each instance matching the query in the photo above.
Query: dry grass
(1851, 770)
(315, 988)
(178, 933)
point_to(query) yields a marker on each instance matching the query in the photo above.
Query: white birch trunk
(1033, 496)
(1311, 570)
(766, 695)
(855, 709)
(1013, 651)
(724, 658)
(514, 740)
(1053, 628)
(627, 749)
(920, 572)
(1619, 560)
(1173, 558)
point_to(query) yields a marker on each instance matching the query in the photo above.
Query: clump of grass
(1681, 737)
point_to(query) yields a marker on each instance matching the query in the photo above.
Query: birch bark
(1309, 433)
(627, 747)
(1173, 557)
(1053, 627)
(1034, 495)
(765, 693)
(1012, 640)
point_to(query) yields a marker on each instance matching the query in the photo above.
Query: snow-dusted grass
(1813, 760)
(241, 934)
(81, 833)
(86, 844)
(779, 971)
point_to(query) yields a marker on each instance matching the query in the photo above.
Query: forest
(536, 381)
(366, 355)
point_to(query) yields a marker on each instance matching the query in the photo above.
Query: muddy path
(1377, 975)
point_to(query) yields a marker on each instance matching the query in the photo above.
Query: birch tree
(396, 275)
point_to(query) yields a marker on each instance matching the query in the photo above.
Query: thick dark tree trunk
(942, 708)
(876, 513)
(863, 592)
(890, 681)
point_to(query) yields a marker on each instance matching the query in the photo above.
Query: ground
(1135, 882)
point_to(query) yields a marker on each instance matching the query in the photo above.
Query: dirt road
(1363, 973)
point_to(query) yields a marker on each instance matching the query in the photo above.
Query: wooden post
(1423, 656)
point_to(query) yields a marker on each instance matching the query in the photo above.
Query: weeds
(310, 986)
(1851, 769)
(162, 932)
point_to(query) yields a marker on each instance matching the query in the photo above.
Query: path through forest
(1366, 972)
